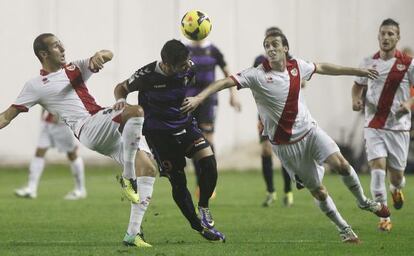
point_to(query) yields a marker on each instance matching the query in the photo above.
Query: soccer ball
(195, 25)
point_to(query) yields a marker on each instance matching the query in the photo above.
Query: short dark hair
(272, 29)
(40, 45)
(282, 36)
(390, 22)
(174, 52)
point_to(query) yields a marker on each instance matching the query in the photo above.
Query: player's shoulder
(36, 80)
(148, 70)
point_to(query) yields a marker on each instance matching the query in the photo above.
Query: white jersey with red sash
(61, 93)
(282, 110)
(386, 93)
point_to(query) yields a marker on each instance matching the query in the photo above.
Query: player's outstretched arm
(336, 70)
(98, 60)
(234, 98)
(357, 101)
(191, 103)
(120, 93)
(7, 116)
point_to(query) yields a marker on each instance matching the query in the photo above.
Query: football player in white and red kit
(55, 134)
(296, 139)
(60, 89)
(387, 115)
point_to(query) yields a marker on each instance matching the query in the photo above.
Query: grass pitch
(50, 225)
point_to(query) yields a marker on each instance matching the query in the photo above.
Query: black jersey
(161, 97)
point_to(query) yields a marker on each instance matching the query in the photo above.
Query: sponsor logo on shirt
(45, 80)
(157, 86)
(400, 67)
(71, 67)
(294, 72)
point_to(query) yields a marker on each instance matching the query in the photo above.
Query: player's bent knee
(72, 155)
(320, 193)
(40, 152)
(132, 111)
(344, 168)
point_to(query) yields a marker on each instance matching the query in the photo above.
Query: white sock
(399, 187)
(328, 207)
(36, 168)
(78, 171)
(378, 189)
(145, 188)
(354, 185)
(130, 137)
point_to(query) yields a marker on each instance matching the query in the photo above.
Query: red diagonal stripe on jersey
(76, 80)
(290, 111)
(391, 85)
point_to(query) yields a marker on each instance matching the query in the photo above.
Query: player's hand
(235, 103)
(357, 104)
(403, 110)
(190, 104)
(97, 62)
(120, 104)
(371, 73)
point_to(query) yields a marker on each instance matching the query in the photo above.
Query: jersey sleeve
(359, 79)
(139, 80)
(245, 78)
(84, 66)
(27, 98)
(306, 69)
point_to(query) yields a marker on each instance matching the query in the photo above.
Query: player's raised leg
(131, 127)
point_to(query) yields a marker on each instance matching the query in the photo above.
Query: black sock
(286, 180)
(208, 179)
(197, 172)
(182, 198)
(267, 169)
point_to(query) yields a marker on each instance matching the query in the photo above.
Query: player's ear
(43, 54)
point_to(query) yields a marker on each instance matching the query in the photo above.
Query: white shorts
(100, 133)
(305, 157)
(392, 145)
(59, 136)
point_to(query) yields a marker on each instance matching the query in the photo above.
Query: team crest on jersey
(294, 72)
(269, 79)
(71, 67)
(401, 67)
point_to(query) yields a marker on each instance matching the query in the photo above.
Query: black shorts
(170, 150)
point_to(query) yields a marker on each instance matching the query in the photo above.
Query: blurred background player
(206, 57)
(55, 134)
(266, 153)
(387, 116)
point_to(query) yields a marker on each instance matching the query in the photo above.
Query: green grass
(50, 225)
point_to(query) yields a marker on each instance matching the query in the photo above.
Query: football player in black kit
(172, 135)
